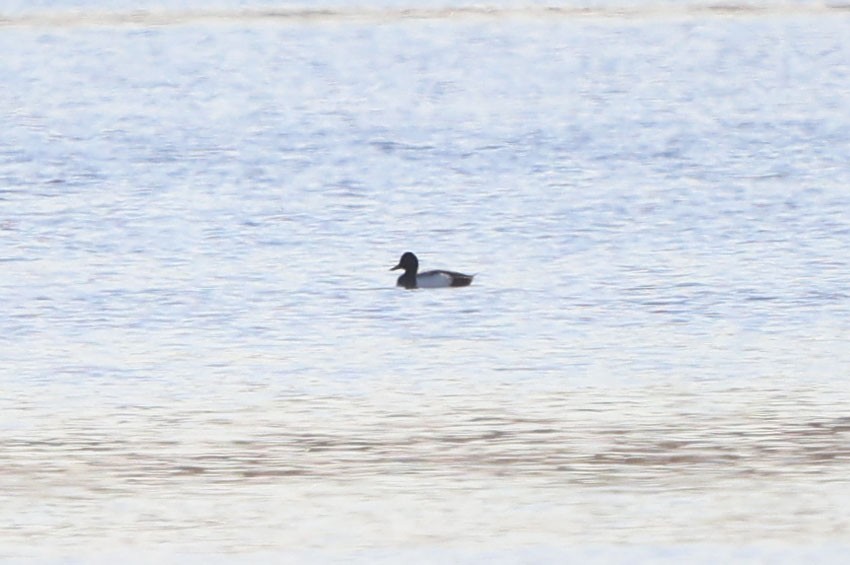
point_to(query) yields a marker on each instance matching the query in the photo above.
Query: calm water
(203, 356)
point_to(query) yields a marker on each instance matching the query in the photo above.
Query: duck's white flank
(433, 279)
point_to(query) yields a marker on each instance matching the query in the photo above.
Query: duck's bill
(396, 267)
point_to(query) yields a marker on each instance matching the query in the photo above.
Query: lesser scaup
(429, 279)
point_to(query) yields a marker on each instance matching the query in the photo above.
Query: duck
(429, 279)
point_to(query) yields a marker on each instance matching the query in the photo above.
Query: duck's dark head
(408, 262)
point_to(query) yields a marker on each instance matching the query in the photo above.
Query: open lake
(204, 357)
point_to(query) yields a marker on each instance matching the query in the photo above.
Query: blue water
(204, 354)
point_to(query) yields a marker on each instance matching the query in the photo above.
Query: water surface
(204, 354)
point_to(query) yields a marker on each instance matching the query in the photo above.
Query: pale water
(203, 354)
